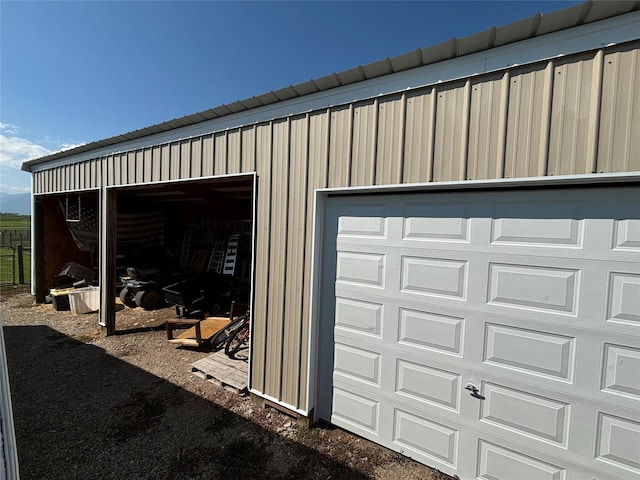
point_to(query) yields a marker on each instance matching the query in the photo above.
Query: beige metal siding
(248, 149)
(220, 153)
(418, 145)
(527, 126)
(619, 145)
(390, 136)
(318, 151)
(207, 155)
(449, 148)
(487, 127)
(364, 135)
(144, 165)
(292, 362)
(566, 116)
(340, 136)
(277, 258)
(165, 162)
(263, 259)
(575, 90)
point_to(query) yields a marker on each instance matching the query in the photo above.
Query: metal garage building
(446, 244)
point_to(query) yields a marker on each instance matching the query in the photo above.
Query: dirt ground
(128, 407)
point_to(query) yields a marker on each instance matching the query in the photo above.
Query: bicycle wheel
(238, 339)
(221, 337)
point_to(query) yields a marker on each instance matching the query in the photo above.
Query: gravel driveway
(128, 407)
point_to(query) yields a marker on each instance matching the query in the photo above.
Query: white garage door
(492, 335)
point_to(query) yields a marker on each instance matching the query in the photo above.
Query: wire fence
(15, 256)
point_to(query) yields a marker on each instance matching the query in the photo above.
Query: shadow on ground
(83, 414)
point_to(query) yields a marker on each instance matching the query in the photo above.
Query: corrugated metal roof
(535, 26)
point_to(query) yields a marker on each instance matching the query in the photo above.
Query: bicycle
(221, 337)
(239, 338)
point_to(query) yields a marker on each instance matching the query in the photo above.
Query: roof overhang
(494, 38)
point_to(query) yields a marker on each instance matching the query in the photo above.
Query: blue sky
(77, 72)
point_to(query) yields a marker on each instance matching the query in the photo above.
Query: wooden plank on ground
(208, 328)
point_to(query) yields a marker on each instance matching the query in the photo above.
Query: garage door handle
(473, 391)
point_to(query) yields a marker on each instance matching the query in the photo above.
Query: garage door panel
(579, 453)
(360, 268)
(535, 223)
(364, 220)
(623, 306)
(499, 463)
(618, 441)
(361, 316)
(434, 276)
(406, 331)
(425, 437)
(626, 233)
(437, 221)
(530, 352)
(429, 385)
(607, 376)
(626, 225)
(534, 287)
(532, 297)
(359, 363)
(351, 409)
(621, 371)
(534, 416)
(432, 331)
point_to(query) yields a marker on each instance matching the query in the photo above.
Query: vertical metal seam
(504, 124)
(375, 135)
(328, 150)
(285, 235)
(189, 171)
(267, 260)
(432, 138)
(612, 109)
(629, 117)
(403, 137)
(547, 91)
(576, 125)
(560, 121)
(596, 108)
(226, 152)
(254, 257)
(138, 166)
(213, 154)
(474, 145)
(350, 145)
(464, 138)
(517, 93)
(240, 150)
(305, 207)
(202, 155)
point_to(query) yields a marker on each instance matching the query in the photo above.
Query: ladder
(186, 243)
(232, 255)
(216, 261)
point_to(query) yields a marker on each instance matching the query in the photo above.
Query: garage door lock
(473, 391)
